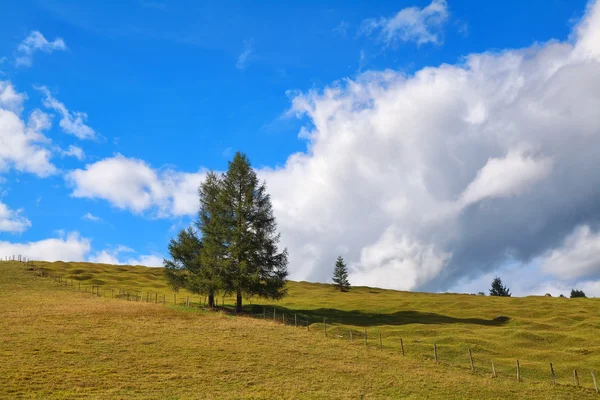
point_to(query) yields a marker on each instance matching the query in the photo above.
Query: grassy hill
(60, 343)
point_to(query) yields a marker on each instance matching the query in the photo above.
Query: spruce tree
(340, 275)
(214, 250)
(498, 289)
(247, 234)
(185, 269)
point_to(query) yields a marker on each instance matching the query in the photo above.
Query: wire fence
(447, 354)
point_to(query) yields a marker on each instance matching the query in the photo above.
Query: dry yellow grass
(57, 343)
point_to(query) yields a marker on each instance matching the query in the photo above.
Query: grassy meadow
(59, 343)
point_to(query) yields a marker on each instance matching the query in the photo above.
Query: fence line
(301, 320)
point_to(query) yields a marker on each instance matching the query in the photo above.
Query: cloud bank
(425, 180)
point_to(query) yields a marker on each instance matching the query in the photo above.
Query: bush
(577, 293)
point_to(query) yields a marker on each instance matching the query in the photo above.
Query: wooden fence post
(350, 334)
(155, 297)
(518, 372)
(380, 342)
(594, 379)
(553, 376)
(283, 318)
(295, 321)
(402, 346)
(264, 313)
(435, 352)
(471, 359)
(365, 336)
(188, 302)
(494, 370)
(164, 299)
(174, 298)
(575, 378)
(307, 324)
(274, 311)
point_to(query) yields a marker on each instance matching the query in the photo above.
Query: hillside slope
(58, 342)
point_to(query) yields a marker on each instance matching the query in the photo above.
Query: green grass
(59, 343)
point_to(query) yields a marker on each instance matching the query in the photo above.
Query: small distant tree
(577, 293)
(340, 275)
(498, 289)
(481, 293)
(562, 296)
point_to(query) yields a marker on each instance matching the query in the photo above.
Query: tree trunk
(211, 300)
(238, 302)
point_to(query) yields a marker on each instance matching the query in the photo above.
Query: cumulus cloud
(12, 220)
(423, 180)
(71, 122)
(24, 145)
(246, 54)
(134, 185)
(37, 42)
(70, 248)
(411, 24)
(426, 180)
(578, 257)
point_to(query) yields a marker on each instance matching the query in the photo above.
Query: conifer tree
(340, 275)
(185, 268)
(214, 250)
(498, 289)
(246, 236)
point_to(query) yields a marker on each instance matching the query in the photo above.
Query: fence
(364, 337)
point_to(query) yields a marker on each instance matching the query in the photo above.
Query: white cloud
(111, 256)
(507, 176)
(23, 144)
(428, 178)
(69, 248)
(37, 42)
(132, 184)
(12, 221)
(149, 260)
(246, 54)
(90, 217)
(72, 122)
(74, 151)
(577, 257)
(421, 181)
(10, 99)
(410, 24)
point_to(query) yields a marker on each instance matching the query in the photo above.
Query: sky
(433, 144)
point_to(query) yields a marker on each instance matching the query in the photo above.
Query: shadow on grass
(365, 319)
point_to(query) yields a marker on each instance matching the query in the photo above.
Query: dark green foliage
(252, 265)
(498, 289)
(340, 275)
(184, 264)
(238, 251)
(577, 293)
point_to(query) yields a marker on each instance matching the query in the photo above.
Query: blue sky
(142, 97)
